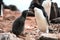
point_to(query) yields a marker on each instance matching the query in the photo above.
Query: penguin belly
(41, 20)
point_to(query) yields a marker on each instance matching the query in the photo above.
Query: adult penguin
(41, 20)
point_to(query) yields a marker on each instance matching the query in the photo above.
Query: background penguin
(18, 25)
(47, 7)
(13, 7)
(41, 20)
(59, 12)
(1, 7)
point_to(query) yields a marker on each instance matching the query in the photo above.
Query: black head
(41, 1)
(6, 7)
(13, 7)
(55, 4)
(25, 13)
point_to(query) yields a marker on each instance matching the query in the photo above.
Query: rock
(1, 18)
(8, 36)
(56, 20)
(46, 36)
(1, 31)
(7, 19)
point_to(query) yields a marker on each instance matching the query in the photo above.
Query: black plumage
(13, 7)
(18, 25)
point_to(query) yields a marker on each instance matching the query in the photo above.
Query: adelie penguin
(41, 20)
(47, 7)
(18, 25)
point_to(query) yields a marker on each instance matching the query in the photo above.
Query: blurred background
(24, 4)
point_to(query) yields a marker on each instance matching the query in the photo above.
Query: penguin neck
(24, 16)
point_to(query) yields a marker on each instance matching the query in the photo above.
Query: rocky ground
(31, 31)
